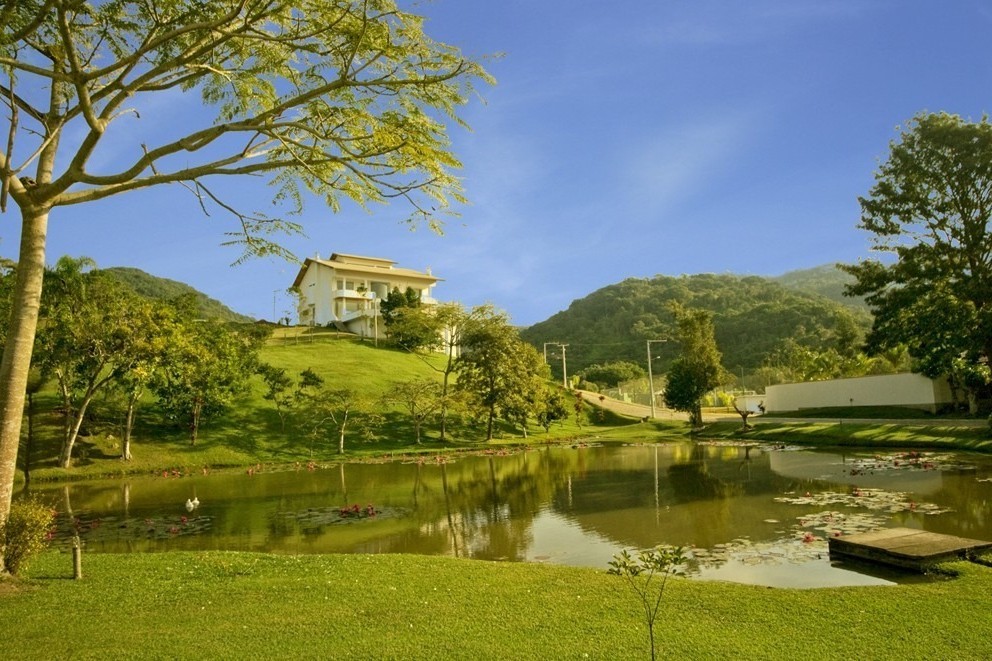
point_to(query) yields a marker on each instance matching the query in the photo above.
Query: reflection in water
(574, 506)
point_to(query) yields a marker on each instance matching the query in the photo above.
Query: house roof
(365, 265)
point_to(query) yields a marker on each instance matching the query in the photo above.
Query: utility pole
(651, 377)
(564, 368)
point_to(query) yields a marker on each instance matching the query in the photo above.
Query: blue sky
(621, 140)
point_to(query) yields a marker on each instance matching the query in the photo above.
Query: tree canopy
(697, 370)
(339, 99)
(930, 209)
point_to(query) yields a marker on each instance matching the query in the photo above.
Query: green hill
(157, 288)
(826, 280)
(752, 316)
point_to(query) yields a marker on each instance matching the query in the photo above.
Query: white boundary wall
(910, 390)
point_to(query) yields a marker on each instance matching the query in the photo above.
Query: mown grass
(242, 605)
(844, 434)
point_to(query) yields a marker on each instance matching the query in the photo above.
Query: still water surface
(754, 515)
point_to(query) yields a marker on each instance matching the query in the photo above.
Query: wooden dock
(907, 548)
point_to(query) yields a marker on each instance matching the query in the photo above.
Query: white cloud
(665, 169)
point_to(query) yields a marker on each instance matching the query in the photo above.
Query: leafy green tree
(612, 373)
(422, 398)
(95, 332)
(527, 399)
(205, 370)
(495, 364)
(930, 209)
(278, 390)
(322, 411)
(414, 328)
(552, 408)
(697, 370)
(344, 99)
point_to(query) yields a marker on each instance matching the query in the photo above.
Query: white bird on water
(189, 505)
(196, 502)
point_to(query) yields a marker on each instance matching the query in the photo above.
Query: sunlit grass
(242, 605)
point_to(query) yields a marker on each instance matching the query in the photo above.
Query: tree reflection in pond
(563, 505)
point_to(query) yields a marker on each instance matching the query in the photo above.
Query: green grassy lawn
(243, 605)
(843, 434)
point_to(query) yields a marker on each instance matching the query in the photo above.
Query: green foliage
(826, 280)
(25, 533)
(165, 290)
(612, 373)
(206, 369)
(647, 575)
(95, 333)
(321, 411)
(697, 370)
(553, 407)
(420, 398)
(497, 370)
(278, 389)
(414, 328)
(929, 208)
(752, 317)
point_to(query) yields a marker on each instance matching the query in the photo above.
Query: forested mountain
(163, 289)
(753, 317)
(826, 280)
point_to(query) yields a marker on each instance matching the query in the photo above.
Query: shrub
(25, 533)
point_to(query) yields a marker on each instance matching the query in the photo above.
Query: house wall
(910, 390)
(329, 292)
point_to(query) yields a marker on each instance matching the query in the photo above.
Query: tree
(342, 98)
(277, 390)
(495, 365)
(322, 409)
(552, 408)
(95, 332)
(697, 370)
(155, 328)
(414, 328)
(930, 208)
(612, 373)
(204, 370)
(421, 398)
(527, 398)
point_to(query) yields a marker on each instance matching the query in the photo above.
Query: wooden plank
(906, 547)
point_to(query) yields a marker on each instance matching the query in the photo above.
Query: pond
(759, 514)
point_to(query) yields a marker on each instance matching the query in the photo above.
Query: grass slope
(243, 605)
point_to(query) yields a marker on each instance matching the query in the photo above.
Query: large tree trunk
(20, 343)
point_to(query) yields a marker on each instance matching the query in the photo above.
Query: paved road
(643, 411)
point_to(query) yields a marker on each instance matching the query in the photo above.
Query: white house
(909, 390)
(345, 290)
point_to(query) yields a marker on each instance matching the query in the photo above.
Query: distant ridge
(164, 289)
(826, 280)
(753, 316)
